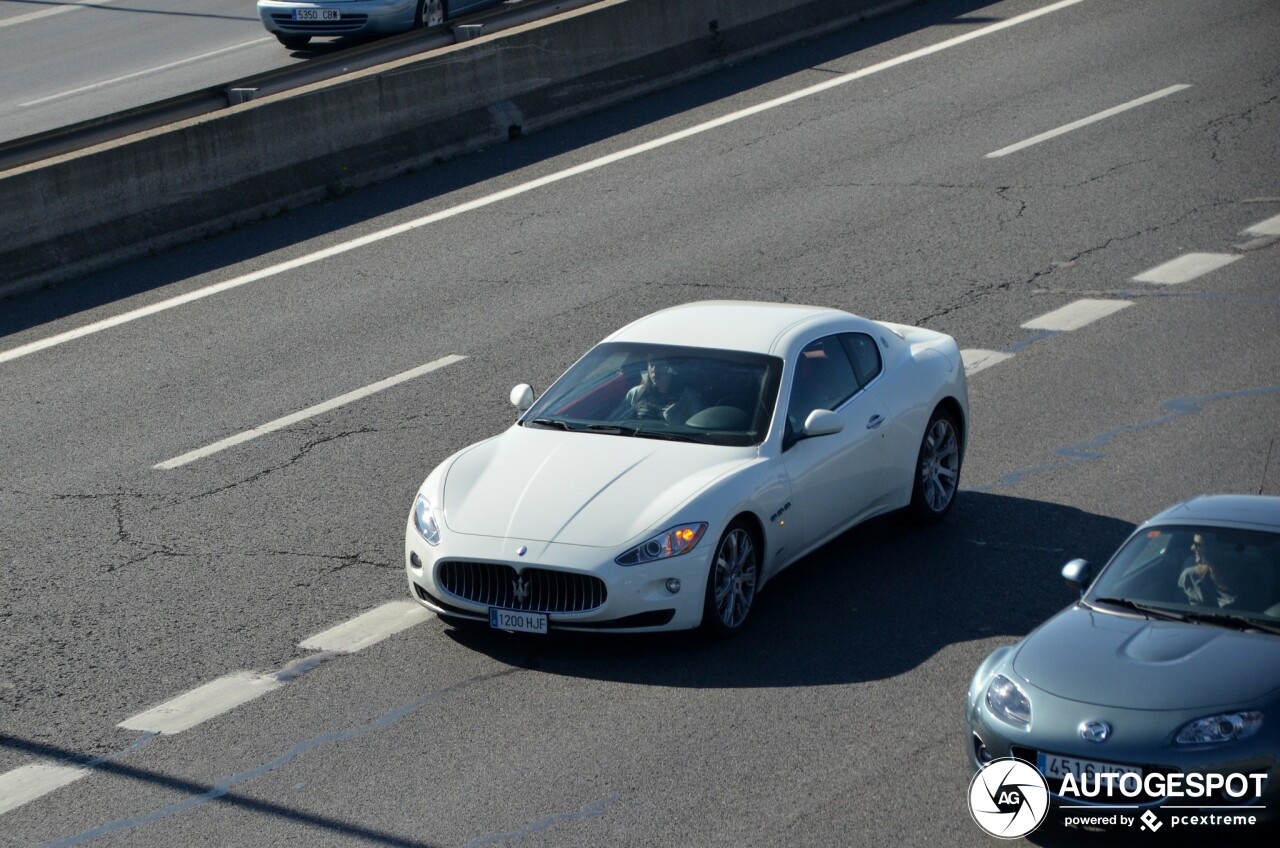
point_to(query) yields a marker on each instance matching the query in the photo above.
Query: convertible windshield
(719, 397)
(1214, 575)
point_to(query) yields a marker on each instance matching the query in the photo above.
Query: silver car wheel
(734, 577)
(940, 464)
(432, 13)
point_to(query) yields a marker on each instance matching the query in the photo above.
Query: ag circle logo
(1008, 798)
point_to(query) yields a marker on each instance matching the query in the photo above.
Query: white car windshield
(719, 397)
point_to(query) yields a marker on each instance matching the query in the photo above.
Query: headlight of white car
(1228, 727)
(669, 543)
(1008, 702)
(425, 520)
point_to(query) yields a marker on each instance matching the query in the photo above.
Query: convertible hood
(577, 488)
(1132, 663)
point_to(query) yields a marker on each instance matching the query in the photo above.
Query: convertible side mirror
(822, 422)
(1077, 573)
(522, 396)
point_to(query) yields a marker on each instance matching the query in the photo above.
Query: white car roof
(736, 325)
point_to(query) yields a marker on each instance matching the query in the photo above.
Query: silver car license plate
(518, 621)
(316, 15)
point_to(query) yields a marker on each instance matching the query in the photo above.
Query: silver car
(1163, 681)
(296, 22)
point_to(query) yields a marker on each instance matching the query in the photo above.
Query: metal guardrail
(45, 145)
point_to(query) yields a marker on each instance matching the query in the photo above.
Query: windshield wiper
(1231, 619)
(552, 422)
(640, 432)
(1145, 609)
(612, 429)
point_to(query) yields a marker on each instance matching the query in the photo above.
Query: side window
(865, 355)
(824, 379)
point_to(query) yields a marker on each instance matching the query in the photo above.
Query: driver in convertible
(1204, 582)
(661, 394)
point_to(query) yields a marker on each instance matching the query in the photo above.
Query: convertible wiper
(1145, 609)
(552, 422)
(640, 432)
(1231, 619)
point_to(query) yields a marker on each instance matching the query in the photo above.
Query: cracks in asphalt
(1229, 127)
(300, 454)
(979, 292)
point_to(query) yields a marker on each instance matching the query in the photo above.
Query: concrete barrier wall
(98, 207)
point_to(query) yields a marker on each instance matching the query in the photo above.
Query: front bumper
(636, 599)
(358, 17)
(1142, 739)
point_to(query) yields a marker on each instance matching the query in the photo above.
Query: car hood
(577, 488)
(1132, 663)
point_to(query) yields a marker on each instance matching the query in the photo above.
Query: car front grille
(532, 589)
(347, 23)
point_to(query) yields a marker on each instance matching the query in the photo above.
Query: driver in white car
(661, 395)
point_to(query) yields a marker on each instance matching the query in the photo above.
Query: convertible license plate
(520, 622)
(1054, 766)
(316, 15)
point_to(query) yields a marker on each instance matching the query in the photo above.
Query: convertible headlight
(1008, 702)
(668, 543)
(1228, 727)
(425, 520)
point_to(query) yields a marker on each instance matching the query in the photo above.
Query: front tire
(937, 472)
(732, 581)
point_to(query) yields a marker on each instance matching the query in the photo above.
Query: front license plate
(1054, 766)
(520, 622)
(316, 15)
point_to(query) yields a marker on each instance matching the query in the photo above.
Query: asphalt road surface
(853, 171)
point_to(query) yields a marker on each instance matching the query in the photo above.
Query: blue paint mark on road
(1093, 449)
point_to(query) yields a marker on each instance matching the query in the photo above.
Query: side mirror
(1077, 573)
(522, 396)
(822, 422)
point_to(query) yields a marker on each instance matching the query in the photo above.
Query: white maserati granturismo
(685, 460)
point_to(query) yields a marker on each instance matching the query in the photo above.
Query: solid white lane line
(144, 72)
(309, 412)
(1269, 227)
(27, 783)
(524, 188)
(1084, 122)
(976, 360)
(369, 628)
(1073, 316)
(56, 10)
(203, 703)
(1185, 267)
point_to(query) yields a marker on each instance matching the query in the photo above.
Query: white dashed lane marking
(203, 703)
(976, 360)
(309, 412)
(368, 629)
(29, 782)
(1084, 122)
(1269, 227)
(1073, 316)
(1185, 268)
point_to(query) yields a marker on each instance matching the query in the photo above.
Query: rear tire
(731, 582)
(937, 472)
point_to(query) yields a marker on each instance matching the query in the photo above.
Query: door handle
(875, 421)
